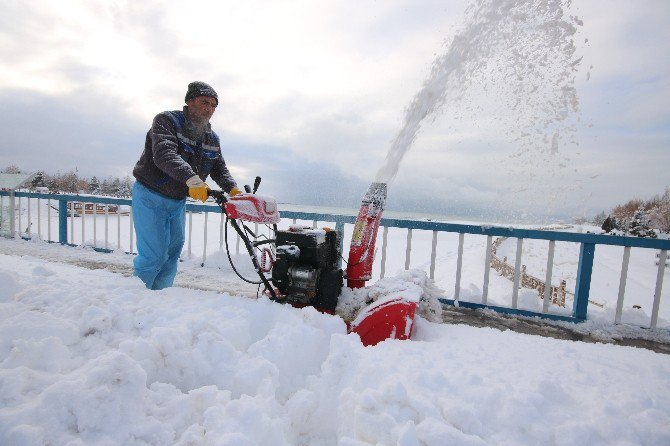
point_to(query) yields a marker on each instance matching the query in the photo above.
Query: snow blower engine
(306, 269)
(298, 266)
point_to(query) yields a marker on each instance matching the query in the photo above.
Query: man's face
(201, 108)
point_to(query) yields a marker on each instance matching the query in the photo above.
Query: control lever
(257, 182)
(218, 196)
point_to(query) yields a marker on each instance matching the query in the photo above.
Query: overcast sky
(312, 93)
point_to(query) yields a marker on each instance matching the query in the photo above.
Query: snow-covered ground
(91, 357)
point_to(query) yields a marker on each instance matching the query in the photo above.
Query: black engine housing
(306, 269)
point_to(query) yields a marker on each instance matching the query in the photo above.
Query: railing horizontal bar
(74, 245)
(507, 310)
(74, 197)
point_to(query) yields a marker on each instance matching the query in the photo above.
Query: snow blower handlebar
(221, 198)
(251, 208)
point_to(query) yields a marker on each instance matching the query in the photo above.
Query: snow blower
(299, 266)
(391, 318)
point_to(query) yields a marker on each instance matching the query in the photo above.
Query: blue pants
(159, 226)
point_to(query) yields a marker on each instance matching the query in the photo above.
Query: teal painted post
(62, 221)
(584, 270)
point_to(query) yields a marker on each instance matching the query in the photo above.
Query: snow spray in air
(520, 54)
(527, 43)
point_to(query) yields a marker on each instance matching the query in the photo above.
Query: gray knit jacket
(174, 151)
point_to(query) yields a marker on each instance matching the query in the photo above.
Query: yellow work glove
(234, 191)
(197, 189)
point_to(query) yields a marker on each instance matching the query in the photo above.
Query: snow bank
(90, 357)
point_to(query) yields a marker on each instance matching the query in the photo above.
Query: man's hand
(197, 189)
(234, 191)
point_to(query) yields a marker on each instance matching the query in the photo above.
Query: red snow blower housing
(303, 263)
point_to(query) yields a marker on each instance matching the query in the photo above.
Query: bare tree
(659, 212)
(12, 168)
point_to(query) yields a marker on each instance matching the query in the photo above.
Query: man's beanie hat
(197, 88)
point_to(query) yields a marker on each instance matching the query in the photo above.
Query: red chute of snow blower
(378, 321)
(362, 249)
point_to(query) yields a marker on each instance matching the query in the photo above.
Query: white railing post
(12, 211)
(221, 232)
(190, 232)
(659, 286)
(83, 223)
(384, 244)
(19, 204)
(433, 254)
(28, 231)
(204, 244)
(118, 228)
(132, 233)
(107, 225)
(517, 273)
(459, 267)
(39, 220)
(408, 248)
(95, 225)
(622, 284)
(547, 277)
(72, 222)
(49, 219)
(184, 230)
(487, 269)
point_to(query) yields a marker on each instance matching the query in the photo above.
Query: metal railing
(587, 243)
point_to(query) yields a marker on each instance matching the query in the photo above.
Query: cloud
(58, 133)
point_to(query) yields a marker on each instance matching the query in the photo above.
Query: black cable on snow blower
(248, 245)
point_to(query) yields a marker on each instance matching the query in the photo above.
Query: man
(180, 151)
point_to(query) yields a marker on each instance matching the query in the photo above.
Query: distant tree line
(70, 182)
(642, 218)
